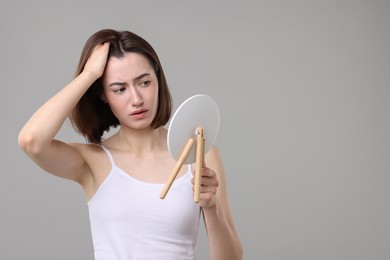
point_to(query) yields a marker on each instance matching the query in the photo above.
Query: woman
(120, 82)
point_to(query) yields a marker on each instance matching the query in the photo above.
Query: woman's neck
(141, 142)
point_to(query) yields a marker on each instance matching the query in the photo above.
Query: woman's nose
(136, 98)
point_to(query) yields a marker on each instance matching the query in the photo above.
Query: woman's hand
(208, 188)
(224, 242)
(97, 61)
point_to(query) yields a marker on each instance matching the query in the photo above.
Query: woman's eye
(119, 91)
(145, 83)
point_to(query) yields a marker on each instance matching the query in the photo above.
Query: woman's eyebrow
(142, 75)
(124, 83)
(117, 84)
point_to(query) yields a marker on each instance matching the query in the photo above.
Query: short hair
(91, 117)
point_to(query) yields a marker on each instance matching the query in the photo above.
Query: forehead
(127, 67)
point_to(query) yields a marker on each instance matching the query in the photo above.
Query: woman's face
(130, 87)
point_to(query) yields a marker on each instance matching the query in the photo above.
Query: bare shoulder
(214, 151)
(213, 158)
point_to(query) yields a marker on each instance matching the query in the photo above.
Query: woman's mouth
(139, 114)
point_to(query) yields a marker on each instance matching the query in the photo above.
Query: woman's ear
(103, 98)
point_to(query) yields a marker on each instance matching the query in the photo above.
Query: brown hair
(91, 116)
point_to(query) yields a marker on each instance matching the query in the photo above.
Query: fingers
(208, 187)
(100, 49)
(103, 45)
(207, 190)
(208, 181)
(96, 62)
(207, 172)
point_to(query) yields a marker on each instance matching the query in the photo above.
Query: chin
(140, 126)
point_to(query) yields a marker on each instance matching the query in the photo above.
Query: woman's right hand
(97, 61)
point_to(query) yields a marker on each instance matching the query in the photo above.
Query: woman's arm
(37, 136)
(224, 242)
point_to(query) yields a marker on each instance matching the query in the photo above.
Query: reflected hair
(91, 116)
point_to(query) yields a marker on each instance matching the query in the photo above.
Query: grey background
(303, 88)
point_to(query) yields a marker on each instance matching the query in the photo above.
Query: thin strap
(108, 154)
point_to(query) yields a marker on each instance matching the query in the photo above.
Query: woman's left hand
(208, 188)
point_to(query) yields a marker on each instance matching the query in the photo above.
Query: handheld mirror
(196, 121)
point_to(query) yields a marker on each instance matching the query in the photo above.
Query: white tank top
(130, 221)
